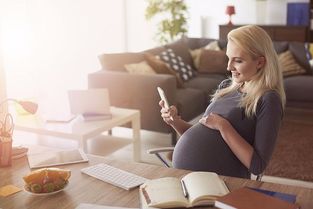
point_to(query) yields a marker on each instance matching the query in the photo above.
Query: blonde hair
(256, 42)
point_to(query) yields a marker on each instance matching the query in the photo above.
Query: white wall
(213, 14)
(206, 16)
(140, 32)
(276, 11)
(3, 94)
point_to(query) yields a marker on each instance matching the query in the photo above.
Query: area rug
(293, 154)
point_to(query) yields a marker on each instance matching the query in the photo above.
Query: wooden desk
(85, 189)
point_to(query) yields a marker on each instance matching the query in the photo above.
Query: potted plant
(173, 18)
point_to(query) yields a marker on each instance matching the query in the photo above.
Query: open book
(194, 189)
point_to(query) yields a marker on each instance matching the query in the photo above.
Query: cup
(5, 151)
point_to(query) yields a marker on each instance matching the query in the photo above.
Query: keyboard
(115, 176)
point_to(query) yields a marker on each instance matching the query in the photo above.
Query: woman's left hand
(213, 121)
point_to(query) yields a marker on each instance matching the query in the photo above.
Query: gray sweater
(203, 149)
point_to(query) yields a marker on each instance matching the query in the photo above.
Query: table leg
(136, 138)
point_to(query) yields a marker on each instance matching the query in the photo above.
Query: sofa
(205, 61)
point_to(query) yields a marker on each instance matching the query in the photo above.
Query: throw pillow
(213, 46)
(161, 68)
(289, 65)
(196, 53)
(181, 48)
(212, 61)
(139, 68)
(176, 62)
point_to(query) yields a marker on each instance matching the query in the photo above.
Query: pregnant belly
(203, 149)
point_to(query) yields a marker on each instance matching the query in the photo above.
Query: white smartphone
(163, 97)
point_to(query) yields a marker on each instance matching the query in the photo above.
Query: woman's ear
(261, 62)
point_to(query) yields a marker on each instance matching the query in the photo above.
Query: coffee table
(81, 130)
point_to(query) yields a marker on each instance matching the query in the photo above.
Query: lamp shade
(230, 10)
(28, 106)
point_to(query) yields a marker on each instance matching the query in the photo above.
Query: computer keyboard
(115, 176)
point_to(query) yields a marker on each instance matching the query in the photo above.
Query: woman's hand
(169, 115)
(214, 121)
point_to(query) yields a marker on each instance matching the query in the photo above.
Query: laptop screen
(90, 101)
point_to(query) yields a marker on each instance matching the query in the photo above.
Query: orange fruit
(35, 176)
(44, 174)
(56, 173)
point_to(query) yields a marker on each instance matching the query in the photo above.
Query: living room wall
(50, 46)
(205, 17)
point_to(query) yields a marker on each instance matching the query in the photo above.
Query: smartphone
(163, 97)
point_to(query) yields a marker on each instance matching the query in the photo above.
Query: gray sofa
(138, 91)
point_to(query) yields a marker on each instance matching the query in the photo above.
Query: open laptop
(89, 101)
(47, 159)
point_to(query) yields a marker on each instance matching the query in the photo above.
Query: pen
(184, 188)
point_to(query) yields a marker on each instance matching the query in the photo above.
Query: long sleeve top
(203, 149)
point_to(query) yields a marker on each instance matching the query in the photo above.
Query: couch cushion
(181, 49)
(190, 103)
(299, 52)
(161, 68)
(116, 62)
(196, 53)
(156, 50)
(140, 68)
(299, 88)
(207, 85)
(177, 63)
(280, 46)
(289, 65)
(212, 61)
(196, 43)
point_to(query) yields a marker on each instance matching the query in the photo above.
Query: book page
(165, 193)
(204, 187)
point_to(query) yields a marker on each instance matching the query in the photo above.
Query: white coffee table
(80, 130)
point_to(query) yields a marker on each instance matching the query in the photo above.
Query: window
(49, 46)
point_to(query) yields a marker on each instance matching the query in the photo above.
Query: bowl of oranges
(46, 181)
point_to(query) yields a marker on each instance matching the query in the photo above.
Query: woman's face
(242, 66)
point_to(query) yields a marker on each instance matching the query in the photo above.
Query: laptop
(90, 101)
(48, 159)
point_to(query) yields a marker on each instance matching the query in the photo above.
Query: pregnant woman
(236, 135)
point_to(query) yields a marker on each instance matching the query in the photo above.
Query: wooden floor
(299, 115)
(122, 148)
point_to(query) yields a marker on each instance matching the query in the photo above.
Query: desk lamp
(28, 106)
(230, 10)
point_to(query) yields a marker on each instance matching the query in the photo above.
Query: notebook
(283, 196)
(245, 198)
(95, 101)
(47, 159)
